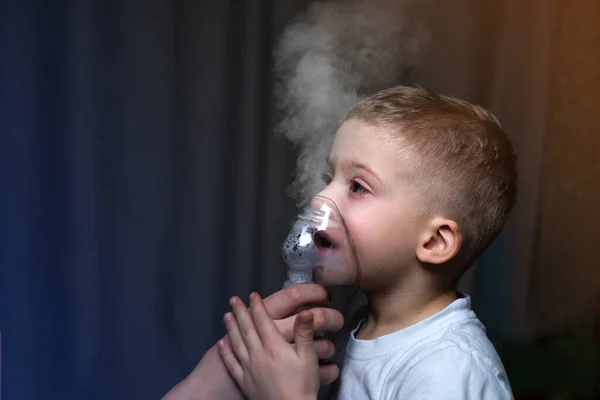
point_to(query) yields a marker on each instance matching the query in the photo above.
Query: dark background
(141, 184)
(141, 187)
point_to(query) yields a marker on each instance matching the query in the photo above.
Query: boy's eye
(356, 187)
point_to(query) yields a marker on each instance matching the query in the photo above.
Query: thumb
(303, 335)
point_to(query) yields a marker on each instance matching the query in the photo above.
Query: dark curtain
(141, 187)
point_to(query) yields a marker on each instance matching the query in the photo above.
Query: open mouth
(323, 241)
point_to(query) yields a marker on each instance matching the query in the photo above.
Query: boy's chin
(333, 277)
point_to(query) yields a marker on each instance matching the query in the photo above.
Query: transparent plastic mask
(317, 240)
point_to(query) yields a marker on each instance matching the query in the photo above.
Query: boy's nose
(317, 201)
(325, 198)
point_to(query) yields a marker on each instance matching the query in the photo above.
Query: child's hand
(262, 362)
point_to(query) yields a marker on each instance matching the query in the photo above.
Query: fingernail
(233, 301)
(221, 344)
(306, 318)
(227, 317)
(252, 296)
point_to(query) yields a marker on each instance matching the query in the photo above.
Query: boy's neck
(398, 309)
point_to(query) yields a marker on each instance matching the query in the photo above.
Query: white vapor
(329, 58)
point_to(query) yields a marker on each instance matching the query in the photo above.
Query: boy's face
(369, 183)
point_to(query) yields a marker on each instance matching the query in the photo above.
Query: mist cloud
(330, 57)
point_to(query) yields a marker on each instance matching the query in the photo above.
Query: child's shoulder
(450, 370)
(457, 359)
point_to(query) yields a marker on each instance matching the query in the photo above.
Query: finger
(230, 360)
(286, 301)
(303, 335)
(325, 320)
(266, 328)
(237, 343)
(324, 349)
(246, 325)
(328, 374)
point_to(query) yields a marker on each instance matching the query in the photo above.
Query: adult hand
(263, 363)
(210, 379)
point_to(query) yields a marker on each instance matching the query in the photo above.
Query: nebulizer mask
(319, 241)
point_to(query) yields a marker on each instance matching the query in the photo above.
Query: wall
(567, 274)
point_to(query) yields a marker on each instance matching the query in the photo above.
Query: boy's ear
(441, 242)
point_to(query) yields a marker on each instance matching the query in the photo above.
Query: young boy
(424, 183)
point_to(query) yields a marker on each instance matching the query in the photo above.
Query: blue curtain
(141, 186)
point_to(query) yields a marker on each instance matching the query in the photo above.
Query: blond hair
(465, 164)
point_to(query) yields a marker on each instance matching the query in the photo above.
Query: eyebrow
(352, 164)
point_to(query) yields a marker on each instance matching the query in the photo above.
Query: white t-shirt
(446, 356)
